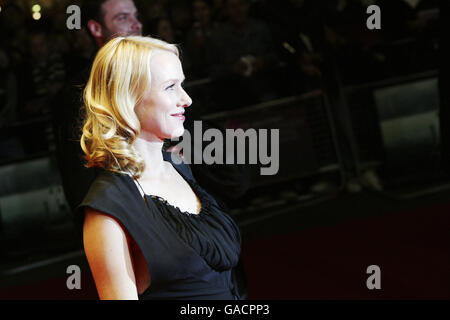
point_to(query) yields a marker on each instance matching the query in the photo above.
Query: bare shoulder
(102, 222)
(107, 249)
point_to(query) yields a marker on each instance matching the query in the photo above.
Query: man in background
(103, 19)
(110, 18)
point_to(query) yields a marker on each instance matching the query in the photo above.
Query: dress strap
(142, 189)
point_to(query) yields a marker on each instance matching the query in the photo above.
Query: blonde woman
(150, 231)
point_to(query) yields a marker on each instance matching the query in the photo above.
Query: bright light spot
(36, 8)
(0, 8)
(36, 15)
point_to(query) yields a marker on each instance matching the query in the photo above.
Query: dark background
(364, 158)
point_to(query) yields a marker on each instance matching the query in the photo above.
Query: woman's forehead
(165, 65)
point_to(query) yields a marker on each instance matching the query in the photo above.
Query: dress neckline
(167, 203)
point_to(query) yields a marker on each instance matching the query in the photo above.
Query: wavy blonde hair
(119, 77)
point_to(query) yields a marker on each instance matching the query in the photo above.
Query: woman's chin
(177, 133)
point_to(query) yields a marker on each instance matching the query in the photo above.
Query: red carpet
(411, 248)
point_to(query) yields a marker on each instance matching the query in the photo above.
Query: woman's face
(161, 111)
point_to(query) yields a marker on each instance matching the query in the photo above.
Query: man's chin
(121, 34)
(134, 33)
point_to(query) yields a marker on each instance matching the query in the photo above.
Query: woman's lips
(179, 115)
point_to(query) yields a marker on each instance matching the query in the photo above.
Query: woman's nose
(186, 100)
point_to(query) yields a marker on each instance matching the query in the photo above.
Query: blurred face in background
(237, 11)
(119, 19)
(201, 12)
(165, 31)
(180, 16)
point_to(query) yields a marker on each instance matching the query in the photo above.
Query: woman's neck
(151, 151)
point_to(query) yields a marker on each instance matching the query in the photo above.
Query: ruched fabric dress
(189, 256)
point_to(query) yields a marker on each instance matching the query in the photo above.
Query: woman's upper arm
(107, 251)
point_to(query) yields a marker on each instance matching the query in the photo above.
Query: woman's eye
(170, 87)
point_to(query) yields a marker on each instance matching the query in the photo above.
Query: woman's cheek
(146, 119)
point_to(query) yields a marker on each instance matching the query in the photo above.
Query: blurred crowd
(249, 51)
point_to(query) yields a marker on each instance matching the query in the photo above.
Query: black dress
(189, 256)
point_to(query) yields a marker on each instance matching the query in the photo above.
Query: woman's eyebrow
(175, 80)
